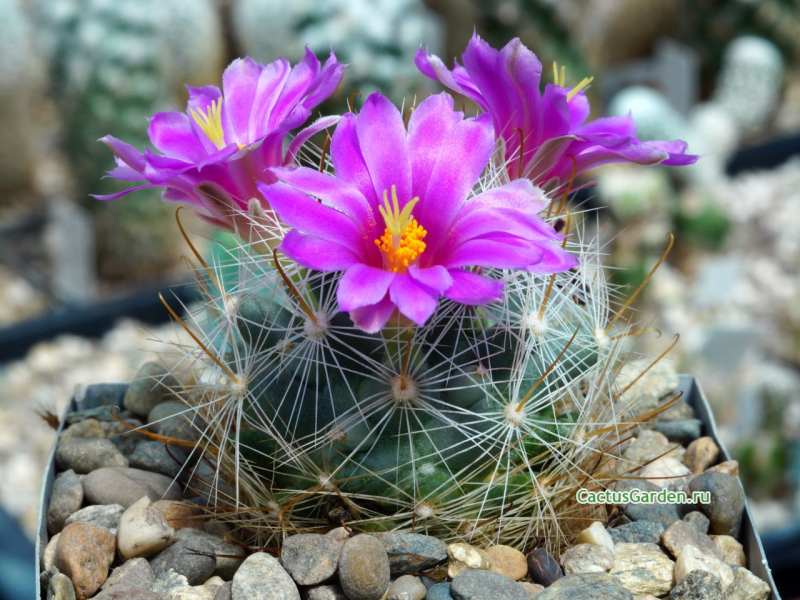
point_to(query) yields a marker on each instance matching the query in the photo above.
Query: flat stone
(643, 569)
(49, 554)
(533, 589)
(102, 515)
(586, 586)
(310, 558)
(682, 432)
(727, 502)
(127, 592)
(86, 455)
(440, 591)
(84, 553)
(67, 497)
(411, 552)
(192, 558)
(328, 591)
(226, 553)
(143, 531)
(666, 472)
(475, 584)
(124, 486)
(152, 385)
(587, 558)
(262, 576)
(638, 532)
(154, 456)
(701, 454)
(543, 568)
(406, 587)
(60, 588)
(729, 467)
(697, 585)
(364, 568)
(136, 572)
(174, 419)
(678, 411)
(85, 429)
(596, 534)
(692, 559)
(681, 534)
(649, 445)
(180, 515)
(746, 586)
(699, 520)
(730, 550)
(225, 592)
(463, 556)
(507, 561)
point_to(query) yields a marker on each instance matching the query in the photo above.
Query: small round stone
(310, 558)
(86, 455)
(328, 591)
(153, 384)
(364, 568)
(587, 558)
(544, 569)
(168, 581)
(692, 559)
(135, 572)
(406, 587)
(697, 585)
(727, 502)
(682, 431)
(699, 520)
(174, 419)
(102, 515)
(747, 585)
(49, 554)
(84, 553)
(142, 530)
(154, 456)
(262, 576)
(60, 588)
(128, 592)
(440, 591)
(194, 559)
(67, 497)
(507, 561)
(179, 515)
(411, 552)
(463, 556)
(681, 534)
(731, 551)
(486, 585)
(643, 569)
(124, 486)
(596, 534)
(701, 454)
(227, 561)
(638, 532)
(586, 586)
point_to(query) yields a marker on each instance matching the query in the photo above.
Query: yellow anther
(211, 122)
(582, 85)
(561, 81)
(401, 242)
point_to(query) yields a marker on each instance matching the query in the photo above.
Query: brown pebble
(84, 553)
(701, 454)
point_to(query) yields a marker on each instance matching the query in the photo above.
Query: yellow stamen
(401, 241)
(211, 123)
(561, 81)
(582, 85)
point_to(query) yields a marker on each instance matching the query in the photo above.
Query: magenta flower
(398, 218)
(213, 155)
(552, 127)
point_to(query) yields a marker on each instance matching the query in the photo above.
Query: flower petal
(239, 84)
(200, 98)
(436, 277)
(125, 152)
(504, 253)
(348, 162)
(362, 285)
(372, 318)
(304, 135)
(554, 260)
(412, 298)
(473, 289)
(172, 133)
(318, 254)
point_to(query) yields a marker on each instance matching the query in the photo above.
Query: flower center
(211, 122)
(401, 242)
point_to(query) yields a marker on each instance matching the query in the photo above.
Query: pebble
(142, 530)
(60, 588)
(174, 419)
(638, 532)
(678, 411)
(66, 498)
(666, 472)
(406, 587)
(101, 394)
(666, 514)
(746, 586)
(198, 592)
(310, 558)
(697, 585)
(102, 515)
(152, 385)
(727, 502)
(474, 584)
(587, 558)
(649, 444)
(119, 485)
(89, 428)
(194, 559)
(729, 467)
(225, 592)
(262, 576)
(364, 568)
(154, 456)
(463, 556)
(507, 561)
(544, 569)
(699, 520)
(643, 569)
(136, 572)
(730, 550)
(86, 455)
(84, 553)
(533, 589)
(681, 534)
(440, 591)
(410, 552)
(226, 564)
(596, 534)
(586, 586)
(701, 454)
(180, 515)
(127, 592)
(682, 431)
(167, 581)
(49, 554)
(323, 592)
(691, 559)
(341, 535)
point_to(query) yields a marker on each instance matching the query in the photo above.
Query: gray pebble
(440, 591)
(328, 591)
(174, 419)
(119, 485)
(60, 588)
(681, 431)
(101, 394)
(67, 497)
(192, 558)
(227, 564)
(364, 568)
(699, 520)
(168, 580)
(224, 592)
(637, 532)
(136, 572)
(154, 456)
(727, 502)
(153, 384)
(586, 586)
(310, 558)
(697, 585)
(126, 592)
(679, 411)
(666, 514)
(412, 552)
(262, 576)
(474, 584)
(102, 515)
(84, 455)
